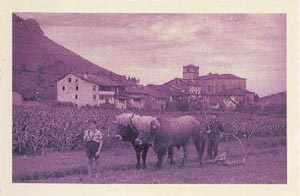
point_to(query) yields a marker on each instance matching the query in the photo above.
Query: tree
(256, 98)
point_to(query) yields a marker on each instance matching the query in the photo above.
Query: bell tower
(190, 72)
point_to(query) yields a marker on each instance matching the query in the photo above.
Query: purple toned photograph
(149, 98)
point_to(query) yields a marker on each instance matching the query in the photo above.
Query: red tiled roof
(156, 93)
(237, 92)
(141, 92)
(167, 89)
(100, 80)
(191, 82)
(219, 76)
(135, 90)
(178, 81)
(190, 66)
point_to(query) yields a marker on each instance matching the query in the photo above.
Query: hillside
(38, 61)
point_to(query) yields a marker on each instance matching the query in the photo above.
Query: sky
(155, 47)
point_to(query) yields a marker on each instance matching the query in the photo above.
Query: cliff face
(38, 61)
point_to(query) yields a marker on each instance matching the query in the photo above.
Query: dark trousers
(91, 149)
(212, 146)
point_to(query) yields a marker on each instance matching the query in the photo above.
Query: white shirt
(93, 135)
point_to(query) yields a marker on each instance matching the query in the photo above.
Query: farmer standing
(93, 139)
(213, 130)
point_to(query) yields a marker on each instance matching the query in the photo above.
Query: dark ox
(174, 132)
(128, 133)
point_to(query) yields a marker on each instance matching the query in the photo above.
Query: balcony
(106, 93)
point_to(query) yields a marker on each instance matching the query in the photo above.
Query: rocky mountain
(38, 61)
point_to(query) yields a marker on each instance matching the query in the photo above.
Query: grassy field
(48, 148)
(266, 163)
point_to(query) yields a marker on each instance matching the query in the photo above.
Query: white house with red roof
(87, 89)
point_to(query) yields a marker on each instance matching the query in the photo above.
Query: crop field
(48, 148)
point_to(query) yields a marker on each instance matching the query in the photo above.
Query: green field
(48, 148)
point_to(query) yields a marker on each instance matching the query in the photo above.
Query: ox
(174, 132)
(128, 126)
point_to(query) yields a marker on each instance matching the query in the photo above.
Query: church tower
(190, 72)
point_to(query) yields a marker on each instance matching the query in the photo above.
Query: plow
(231, 153)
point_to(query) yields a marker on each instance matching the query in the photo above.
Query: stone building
(211, 90)
(190, 72)
(142, 98)
(87, 89)
(214, 83)
(231, 99)
(191, 87)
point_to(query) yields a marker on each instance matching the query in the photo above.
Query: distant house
(191, 87)
(274, 103)
(17, 98)
(87, 89)
(211, 90)
(214, 83)
(121, 102)
(278, 99)
(231, 98)
(142, 98)
(226, 91)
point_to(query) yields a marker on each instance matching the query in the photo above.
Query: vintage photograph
(140, 98)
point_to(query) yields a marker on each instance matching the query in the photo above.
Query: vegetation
(60, 127)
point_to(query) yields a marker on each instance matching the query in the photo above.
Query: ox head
(126, 133)
(147, 137)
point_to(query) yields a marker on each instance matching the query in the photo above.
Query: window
(63, 88)
(106, 88)
(70, 79)
(223, 87)
(122, 100)
(94, 97)
(101, 97)
(94, 87)
(137, 100)
(208, 88)
(76, 96)
(188, 70)
(76, 80)
(77, 88)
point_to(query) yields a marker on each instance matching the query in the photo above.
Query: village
(59, 94)
(211, 91)
(71, 79)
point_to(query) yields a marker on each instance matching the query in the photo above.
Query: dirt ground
(266, 163)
